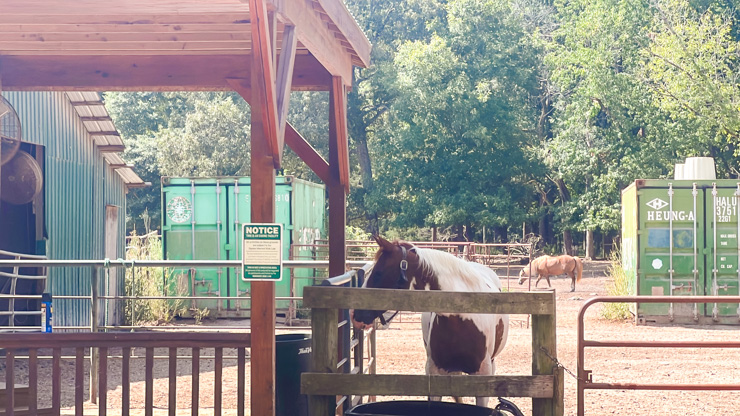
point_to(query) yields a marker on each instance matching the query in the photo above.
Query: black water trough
(419, 408)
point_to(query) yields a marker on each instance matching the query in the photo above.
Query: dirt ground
(400, 351)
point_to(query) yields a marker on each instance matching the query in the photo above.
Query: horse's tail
(579, 269)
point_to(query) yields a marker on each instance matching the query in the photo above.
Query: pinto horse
(455, 343)
(546, 266)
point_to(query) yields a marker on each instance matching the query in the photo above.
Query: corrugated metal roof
(91, 110)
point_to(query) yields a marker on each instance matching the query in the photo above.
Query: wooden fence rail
(325, 382)
(29, 345)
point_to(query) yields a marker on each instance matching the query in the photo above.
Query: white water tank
(678, 171)
(699, 168)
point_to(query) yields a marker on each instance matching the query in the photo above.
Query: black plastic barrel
(292, 357)
(419, 408)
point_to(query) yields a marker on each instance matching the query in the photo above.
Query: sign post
(262, 252)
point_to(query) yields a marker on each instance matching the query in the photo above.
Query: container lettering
(666, 215)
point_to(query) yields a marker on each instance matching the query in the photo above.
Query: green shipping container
(203, 219)
(680, 237)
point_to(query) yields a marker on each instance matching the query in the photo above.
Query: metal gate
(585, 377)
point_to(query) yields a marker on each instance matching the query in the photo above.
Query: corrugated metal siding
(78, 186)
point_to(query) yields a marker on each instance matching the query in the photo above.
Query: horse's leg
(487, 368)
(572, 275)
(432, 370)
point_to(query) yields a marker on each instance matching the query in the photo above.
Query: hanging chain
(559, 364)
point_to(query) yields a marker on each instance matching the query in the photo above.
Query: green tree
(454, 144)
(606, 130)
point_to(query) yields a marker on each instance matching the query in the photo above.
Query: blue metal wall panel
(78, 185)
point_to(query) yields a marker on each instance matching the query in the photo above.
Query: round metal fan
(10, 131)
(22, 179)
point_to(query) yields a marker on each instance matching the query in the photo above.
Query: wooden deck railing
(29, 345)
(325, 382)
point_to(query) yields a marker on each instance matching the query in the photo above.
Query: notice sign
(262, 252)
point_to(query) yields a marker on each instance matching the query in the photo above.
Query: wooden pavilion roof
(160, 45)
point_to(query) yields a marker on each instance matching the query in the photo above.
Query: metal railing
(95, 298)
(9, 287)
(585, 377)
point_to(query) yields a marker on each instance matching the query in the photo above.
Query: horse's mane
(455, 274)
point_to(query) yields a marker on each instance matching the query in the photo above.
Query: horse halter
(403, 280)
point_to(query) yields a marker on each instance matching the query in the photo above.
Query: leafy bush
(149, 281)
(620, 285)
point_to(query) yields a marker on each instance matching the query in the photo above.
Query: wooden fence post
(544, 343)
(324, 351)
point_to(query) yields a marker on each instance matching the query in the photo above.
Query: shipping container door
(671, 236)
(283, 209)
(722, 249)
(308, 223)
(240, 212)
(191, 232)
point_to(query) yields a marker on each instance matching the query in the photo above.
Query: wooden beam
(263, 76)
(86, 28)
(423, 385)
(293, 139)
(127, 18)
(125, 47)
(92, 118)
(285, 78)
(113, 148)
(536, 303)
(149, 73)
(315, 35)
(87, 103)
(113, 34)
(307, 153)
(356, 39)
(338, 113)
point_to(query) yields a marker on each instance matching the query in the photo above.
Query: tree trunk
(590, 247)
(358, 135)
(501, 232)
(568, 242)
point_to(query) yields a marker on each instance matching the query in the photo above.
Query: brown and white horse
(455, 343)
(546, 266)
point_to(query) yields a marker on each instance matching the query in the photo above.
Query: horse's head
(392, 263)
(523, 274)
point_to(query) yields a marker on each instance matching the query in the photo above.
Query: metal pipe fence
(585, 377)
(95, 298)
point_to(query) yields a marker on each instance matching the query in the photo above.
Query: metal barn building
(77, 209)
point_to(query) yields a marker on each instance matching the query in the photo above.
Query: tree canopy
(487, 113)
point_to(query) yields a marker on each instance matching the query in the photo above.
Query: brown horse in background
(546, 266)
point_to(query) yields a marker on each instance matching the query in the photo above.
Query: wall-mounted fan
(10, 131)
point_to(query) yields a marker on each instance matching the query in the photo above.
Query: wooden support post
(338, 200)
(544, 343)
(337, 195)
(264, 148)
